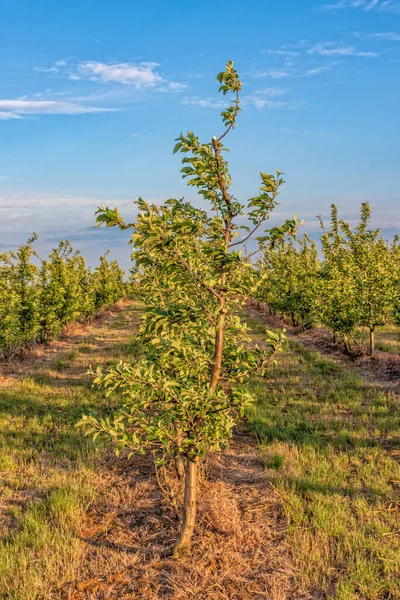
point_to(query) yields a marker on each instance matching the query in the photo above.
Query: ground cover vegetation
(330, 443)
(307, 510)
(353, 288)
(40, 297)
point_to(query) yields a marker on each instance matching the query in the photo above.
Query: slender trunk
(334, 338)
(182, 545)
(372, 341)
(346, 344)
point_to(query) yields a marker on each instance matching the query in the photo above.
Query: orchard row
(356, 284)
(38, 298)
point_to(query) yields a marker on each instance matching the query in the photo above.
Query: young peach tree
(184, 394)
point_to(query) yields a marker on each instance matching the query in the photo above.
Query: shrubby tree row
(184, 394)
(289, 280)
(357, 284)
(38, 298)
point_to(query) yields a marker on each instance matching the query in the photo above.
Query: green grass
(48, 468)
(387, 338)
(330, 443)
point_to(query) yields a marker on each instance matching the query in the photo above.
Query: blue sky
(93, 94)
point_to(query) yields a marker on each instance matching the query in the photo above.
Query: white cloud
(174, 86)
(4, 115)
(14, 109)
(260, 101)
(283, 52)
(264, 98)
(38, 200)
(272, 92)
(271, 74)
(316, 70)
(47, 69)
(385, 35)
(335, 49)
(141, 75)
(203, 102)
(388, 6)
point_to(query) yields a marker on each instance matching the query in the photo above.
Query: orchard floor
(304, 505)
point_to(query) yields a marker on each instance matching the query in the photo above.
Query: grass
(387, 338)
(48, 469)
(330, 443)
(327, 441)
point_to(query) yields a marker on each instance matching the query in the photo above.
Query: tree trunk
(371, 341)
(182, 545)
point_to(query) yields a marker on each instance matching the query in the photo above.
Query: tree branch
(195, 276)
(247, 236)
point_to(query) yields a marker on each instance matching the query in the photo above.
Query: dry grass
(239, 550)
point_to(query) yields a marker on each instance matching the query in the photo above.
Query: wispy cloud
(271, 74)
(20, 107)
(388, 6)
(259, 101)
(5, 178)
(140, 75)
(203, 102)
(316, 70)
(281, 52)
(383, 35)
(264, 98)
(336, 49)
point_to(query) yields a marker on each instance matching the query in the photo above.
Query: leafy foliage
(359, 276)
(186, 391)
(357, 284)
(38, 299)
(290, 280)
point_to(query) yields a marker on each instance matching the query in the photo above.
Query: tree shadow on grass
(303, 434)
(32, 423)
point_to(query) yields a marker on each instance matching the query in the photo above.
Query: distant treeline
(355, 285)
(38, 298)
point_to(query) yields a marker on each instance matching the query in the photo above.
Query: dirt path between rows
(239, 547)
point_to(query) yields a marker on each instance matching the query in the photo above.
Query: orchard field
(221, 424)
